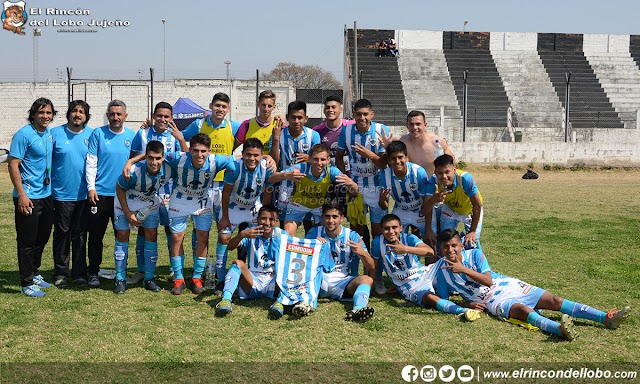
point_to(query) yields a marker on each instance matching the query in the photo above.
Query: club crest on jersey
(86, 142)
(373, 141)
(301, 249)
(413, 186)
(259, 181)
(305, 147)
(127, 143)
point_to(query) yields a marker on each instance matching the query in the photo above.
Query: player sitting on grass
(347, 249)
(256, 276)
(399, 254)
(468, 273)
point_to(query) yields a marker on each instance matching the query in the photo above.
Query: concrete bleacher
(610, 58)
(537, 112)
(380, 77)
(425, 79)
(589, 105)
(634, 48)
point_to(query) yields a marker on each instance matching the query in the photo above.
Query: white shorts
(284, 195)
(370, 197)
(121, 222)
(334, 284)
(507, 291)
(297, 213)
(238, 216)
(199, 209)
(264, 285)
(415, 218)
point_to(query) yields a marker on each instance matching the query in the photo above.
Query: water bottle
(437, 150)
(142, 214)
(210, 273)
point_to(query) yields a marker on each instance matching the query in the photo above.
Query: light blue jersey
(108, 153)
(405, 270)
(171, 145)
(247, 185)
(141, 185)
(299, 266)
(290, 147)
(35, 150)
(346, 262)
(469, 289)
(259, 259)
(190, 183)
(195, 126)
(408, 193)
(363, 170)
(68, 181)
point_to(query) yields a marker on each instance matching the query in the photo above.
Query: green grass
(576, 234)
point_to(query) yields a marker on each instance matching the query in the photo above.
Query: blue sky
(201, 35)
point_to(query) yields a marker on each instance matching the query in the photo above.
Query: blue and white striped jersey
(408, 192)
(347, 263)
(299, 265)
(259, 259)
(290, 147)
(247, 185)
(141, 185)
(190, 183)
(363, 170)
(144, 136)
(469, 289)
(404, 270)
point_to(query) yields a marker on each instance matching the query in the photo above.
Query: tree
(304, 76)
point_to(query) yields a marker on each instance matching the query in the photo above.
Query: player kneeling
(137, 205)
(347, 249)
(256, 277)
(468, 273)
(399, 254)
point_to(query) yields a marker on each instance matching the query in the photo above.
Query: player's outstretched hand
(454, 266)
(386, 139)
(252, 232)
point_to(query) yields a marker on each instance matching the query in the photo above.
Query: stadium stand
(634, 48)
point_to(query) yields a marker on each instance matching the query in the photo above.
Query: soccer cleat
(219, 289)
(33, 291)
(196, 285)
(566, 328)
(121, 286)
(39, 281)
(359, 315)
(60, 282)
(615, 317)
(80, 281)
(223, 307)
(94, 281)
(151, 285)
(301, 309)
(471, 314)
(136, 278)
(178, 286)
(379, 288)
(276, 310)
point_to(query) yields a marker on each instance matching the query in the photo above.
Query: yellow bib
(310, 193)
(458, 200)
(222, 141)
(261, 133)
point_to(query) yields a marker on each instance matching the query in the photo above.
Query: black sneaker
(359, 315)
(150, 285)
(121, 286)
(219, 290)
(94, 281)
(60, 282)
(80, 281)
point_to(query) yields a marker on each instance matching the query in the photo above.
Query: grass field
(576, 234)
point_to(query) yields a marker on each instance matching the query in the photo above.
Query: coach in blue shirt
(30, 173)
(109, 149)
(69, 193)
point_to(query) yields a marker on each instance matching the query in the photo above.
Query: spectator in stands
(382, 49)
(393, 48)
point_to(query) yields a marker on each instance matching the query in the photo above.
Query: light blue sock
(221, 260)
(231, 281)
(194, 242)
(198, 266)
(120, 256)
(361, 296)
(176, 266)
(544, 324)
(449, 307)
(151, 259)
(140, 252)
(582, 311)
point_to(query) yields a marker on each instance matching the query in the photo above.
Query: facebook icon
(409, 373)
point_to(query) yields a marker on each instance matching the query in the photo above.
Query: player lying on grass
(468, 273)
(399, 254)
(346, 249)
(254, 278)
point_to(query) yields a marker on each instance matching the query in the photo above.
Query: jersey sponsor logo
(301, 249)
(373, 141)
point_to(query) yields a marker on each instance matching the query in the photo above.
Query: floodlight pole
(164, 49)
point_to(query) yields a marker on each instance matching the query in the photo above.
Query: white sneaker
(615, 317)
(379, 288)
(301, 309)
(137, 278)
